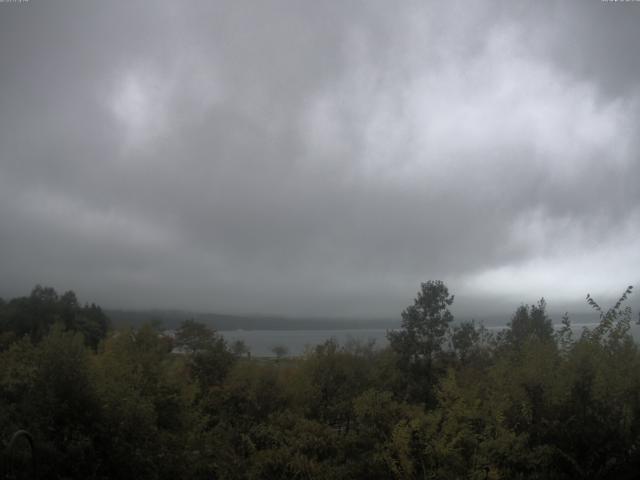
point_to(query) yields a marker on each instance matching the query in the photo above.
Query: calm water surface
(261, 342)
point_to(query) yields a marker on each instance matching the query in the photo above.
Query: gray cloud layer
(318, 158)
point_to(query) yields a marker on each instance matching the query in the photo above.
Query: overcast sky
(319, 158)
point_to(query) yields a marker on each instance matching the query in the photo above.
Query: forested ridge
(171, 319)
(445, 399)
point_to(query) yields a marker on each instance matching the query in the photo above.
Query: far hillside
(171, 319)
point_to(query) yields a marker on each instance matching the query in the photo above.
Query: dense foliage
(445, 400)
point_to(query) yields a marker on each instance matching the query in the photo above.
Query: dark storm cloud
(318, 158)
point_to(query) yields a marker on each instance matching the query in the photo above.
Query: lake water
(261, 342)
